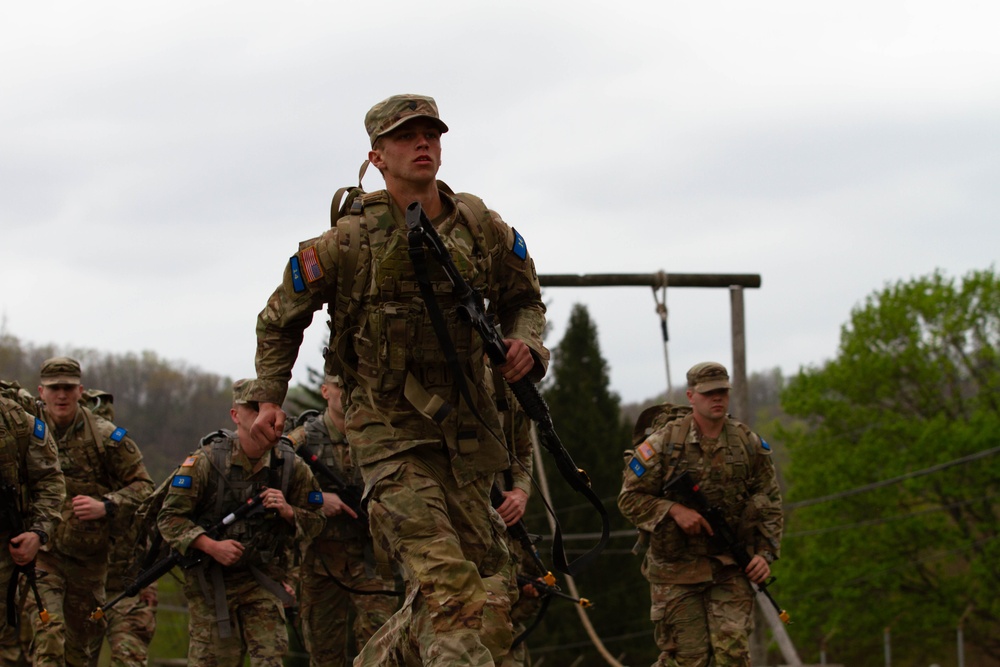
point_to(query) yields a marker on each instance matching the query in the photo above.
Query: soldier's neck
(404, 194)
(709, 428)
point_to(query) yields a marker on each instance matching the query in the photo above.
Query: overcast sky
(159, 162)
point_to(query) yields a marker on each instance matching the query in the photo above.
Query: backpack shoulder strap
(479, 219)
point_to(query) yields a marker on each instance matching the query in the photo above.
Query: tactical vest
(262, 535)
(81, 456)
(15, 438)
(342, 527)
(384, 331)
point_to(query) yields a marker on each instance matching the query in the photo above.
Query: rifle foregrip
(531, 401)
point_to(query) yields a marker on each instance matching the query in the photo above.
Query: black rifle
(174, 558)
(9, 498)
(724, 537)
(349, 493)
(470, 306)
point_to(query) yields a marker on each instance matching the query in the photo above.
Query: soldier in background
(236, 595)
(702, 604)
(131, 622)
(338, 576)
(105, 479)
(33, 486)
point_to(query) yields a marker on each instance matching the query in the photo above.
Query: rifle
(470, 306)
(349, 493)
(724, 536)
(9, 497)
(174, 557)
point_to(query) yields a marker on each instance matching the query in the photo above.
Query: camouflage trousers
(397, 643)
(447, 539)
(256, 625)
(131, 625)
(71, 589)
(699, 624)
(326, 609)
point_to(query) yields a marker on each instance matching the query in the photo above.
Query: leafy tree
(914, 387)
(587, 417)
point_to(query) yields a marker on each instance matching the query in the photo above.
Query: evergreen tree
(587, 417)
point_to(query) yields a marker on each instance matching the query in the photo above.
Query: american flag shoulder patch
(310, 264)
(636, 466)
(646, 451)
(188, 462)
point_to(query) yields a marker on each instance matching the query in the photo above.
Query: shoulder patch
(181, 482)
(520, 248)
(39, 430)
(763, 443)
(315, 498)
(188, 462)
(118, 434)
(636, 466)
(298, 284)
(310, 264)
(646, 451)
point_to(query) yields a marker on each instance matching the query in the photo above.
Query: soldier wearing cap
(236, 596)
(702, 604)
(105, 479)
(341, 591)
(33, 487)
(427, 457)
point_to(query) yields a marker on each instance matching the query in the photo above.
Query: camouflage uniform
(29, 463)
(428, 463)
(340, 557)
(237, 610)
(98, 460)
(131, 622)
(702, 603)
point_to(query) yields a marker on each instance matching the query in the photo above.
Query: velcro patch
(310, 264)
(118, 434)
(646, 451)
(298, 284)
(763, 443)
(39, 430)
(315, 498)
(181, 482)
(188, 462)
(520, 248)
(636, 466)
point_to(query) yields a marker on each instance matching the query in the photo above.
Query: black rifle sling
(420, 232)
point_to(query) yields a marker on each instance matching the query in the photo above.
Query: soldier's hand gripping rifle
(724, 536)
(349, 493)
(470, 306)
(174, 558)
(10, 498)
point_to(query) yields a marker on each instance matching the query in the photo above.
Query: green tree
(587, 417)
(913, 389)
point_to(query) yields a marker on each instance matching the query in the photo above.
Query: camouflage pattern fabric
(131, 622)
(341, 556)
(99, 460)
(448, 540)
(698, 593)
(256, 616)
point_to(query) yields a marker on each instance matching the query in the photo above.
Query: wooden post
(741, 393)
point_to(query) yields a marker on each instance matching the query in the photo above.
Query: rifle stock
(9, 496)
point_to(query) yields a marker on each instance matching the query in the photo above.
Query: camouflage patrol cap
(393, 111)
(243, 391)
(708, 376)
(60, 370)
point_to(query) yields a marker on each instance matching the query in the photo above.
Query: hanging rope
(661, 310)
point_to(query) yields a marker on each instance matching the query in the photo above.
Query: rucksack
(655, 417)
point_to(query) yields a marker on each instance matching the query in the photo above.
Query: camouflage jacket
(330, 445)
(402, 379)
(192, 504)
(29, 463)
(735, 473)
(99, 460)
